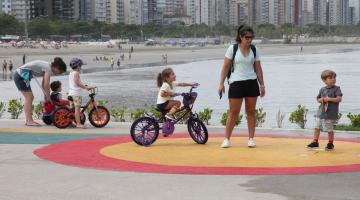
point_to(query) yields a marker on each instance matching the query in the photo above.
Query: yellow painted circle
(270, 152)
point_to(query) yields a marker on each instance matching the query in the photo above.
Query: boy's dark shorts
(20, 83)
(242, 89)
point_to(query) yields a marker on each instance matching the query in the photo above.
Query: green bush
(225, 116)
(205, 115)
(354, 119)
(346, 127)
(119, 113)
(37, 110)
(260, 117)
(137, 113)
(154, 112)
(2, 108)
(15, 108)
(299, 116)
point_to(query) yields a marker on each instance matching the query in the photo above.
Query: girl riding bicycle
(75, 87)
(166, 81)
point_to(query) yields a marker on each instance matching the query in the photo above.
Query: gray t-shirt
(37, 68)
(332, 108)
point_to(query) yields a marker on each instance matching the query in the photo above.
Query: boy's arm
(59, 97)
(334, 100)
(78, 81)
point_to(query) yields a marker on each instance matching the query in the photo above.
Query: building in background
(239, 12)
(321, 12)
(5, 6)
(205, 12)
(136, 12)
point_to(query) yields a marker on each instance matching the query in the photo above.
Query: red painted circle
(86, 153)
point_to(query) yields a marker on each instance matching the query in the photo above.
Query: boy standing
(329, 96)
(75, 87)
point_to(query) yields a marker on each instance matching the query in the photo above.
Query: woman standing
(246, 82)
(36, 68)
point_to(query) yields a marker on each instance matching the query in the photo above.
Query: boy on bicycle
(75, 87)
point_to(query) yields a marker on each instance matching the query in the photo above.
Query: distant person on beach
(130, 55)
(242, 62)
(165, 59)
(11, 66)
(4, 65)
(122, 57)
(118, 62)
(24, 59)
(301, 48)
(75, 87)
(33, 69)
(329, 98)
(132, 49)
(162, 59)
(112, 62)
(166, 81)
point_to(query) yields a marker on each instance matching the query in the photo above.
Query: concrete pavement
(25, 176)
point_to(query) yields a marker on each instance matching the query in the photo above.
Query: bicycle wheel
(99, 116)
(144, 131)
(197, 130)
(47, 119)
(61, 117)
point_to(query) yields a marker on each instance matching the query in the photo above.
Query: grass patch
(345, 127)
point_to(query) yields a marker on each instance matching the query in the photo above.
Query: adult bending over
(246, 75)
(36, 68)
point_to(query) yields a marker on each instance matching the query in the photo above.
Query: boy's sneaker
(225, 144)
(171, 117)
(313, 145)
(329, 147)
(251, 143)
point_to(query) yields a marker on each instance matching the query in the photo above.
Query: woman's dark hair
(59, 63)
(161, 77)
(242, 31)
(55, 85)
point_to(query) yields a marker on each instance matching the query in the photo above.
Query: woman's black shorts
(242, 89)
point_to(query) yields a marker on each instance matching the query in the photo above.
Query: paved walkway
(26, 176)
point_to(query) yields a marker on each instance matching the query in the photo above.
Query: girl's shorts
(162, 106)
(242, 89)
(20, 83)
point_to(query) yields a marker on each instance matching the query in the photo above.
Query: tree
(9, 25)
(40, 27)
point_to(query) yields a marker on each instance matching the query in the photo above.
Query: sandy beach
(133, 85)
(151, 55)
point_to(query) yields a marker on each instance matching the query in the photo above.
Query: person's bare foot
(32, 123)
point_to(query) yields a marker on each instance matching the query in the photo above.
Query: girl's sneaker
(329, 147)
(225, 144)
(251, 143)
(313, 145)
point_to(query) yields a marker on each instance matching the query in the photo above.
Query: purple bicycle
(145, 130)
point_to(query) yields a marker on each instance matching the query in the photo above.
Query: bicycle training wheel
(197, 130)
(144, 131)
